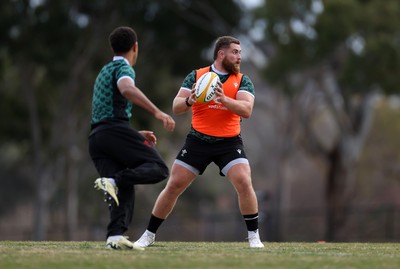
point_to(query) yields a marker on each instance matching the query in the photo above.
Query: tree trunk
(354, 121)
(41, 208)
(339, 190)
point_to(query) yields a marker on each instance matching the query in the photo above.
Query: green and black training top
(108, 104)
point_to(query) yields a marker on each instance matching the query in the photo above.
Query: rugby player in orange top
(214, 137)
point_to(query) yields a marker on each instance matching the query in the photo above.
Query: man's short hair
(122, 39)
(224, 42)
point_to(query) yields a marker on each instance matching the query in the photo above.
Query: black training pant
(123, 153)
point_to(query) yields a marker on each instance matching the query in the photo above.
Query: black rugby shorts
(198, 154)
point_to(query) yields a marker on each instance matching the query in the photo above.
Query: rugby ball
(205, 87)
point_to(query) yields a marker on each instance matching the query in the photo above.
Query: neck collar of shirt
(117, 58)
(217, 71)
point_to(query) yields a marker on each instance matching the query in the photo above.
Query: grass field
(60, 255)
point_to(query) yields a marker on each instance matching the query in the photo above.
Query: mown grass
(60, 255)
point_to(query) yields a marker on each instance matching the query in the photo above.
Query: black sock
(154, 223)
(251, 221)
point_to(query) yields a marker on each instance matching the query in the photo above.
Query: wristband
(187, 101)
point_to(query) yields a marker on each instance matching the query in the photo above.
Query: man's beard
(231, 67)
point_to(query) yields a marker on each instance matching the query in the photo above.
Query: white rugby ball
(206, 86)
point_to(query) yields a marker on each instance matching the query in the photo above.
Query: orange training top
(214, 118)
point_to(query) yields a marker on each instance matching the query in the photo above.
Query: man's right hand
(168, 121)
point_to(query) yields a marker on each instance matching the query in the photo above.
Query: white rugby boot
(105, 184)
(147, 239)
(254, 239)
(120, 242)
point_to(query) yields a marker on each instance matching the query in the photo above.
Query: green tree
(50, 53)
(343, 51)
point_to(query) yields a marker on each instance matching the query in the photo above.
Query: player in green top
(122, 155)
(108, 102)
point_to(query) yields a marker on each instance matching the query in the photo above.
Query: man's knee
(164, 171)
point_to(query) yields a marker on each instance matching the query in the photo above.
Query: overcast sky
(252, 3)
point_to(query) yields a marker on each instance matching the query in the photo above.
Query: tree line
(324, 56)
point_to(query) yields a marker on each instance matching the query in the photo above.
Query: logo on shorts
(184, 151)
(239, 151)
